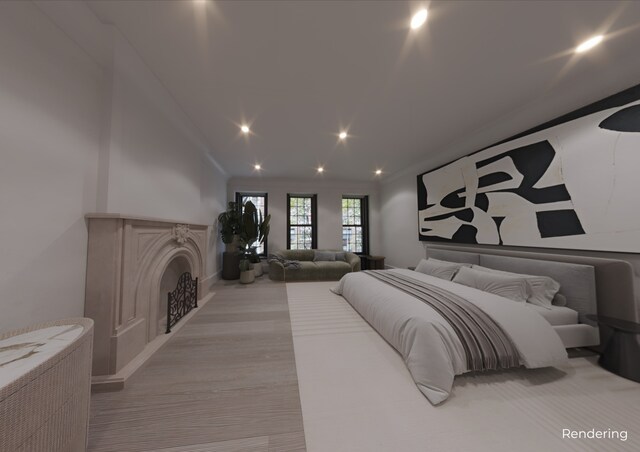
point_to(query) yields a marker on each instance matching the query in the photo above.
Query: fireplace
(132, 264)
(169, 283)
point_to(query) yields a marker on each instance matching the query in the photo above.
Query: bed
(412, 312)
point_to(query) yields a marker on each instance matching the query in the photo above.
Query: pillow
(542, 289)
(559, 300)
(341, 256)
(324, 256)
(511, 287)
(439, 269)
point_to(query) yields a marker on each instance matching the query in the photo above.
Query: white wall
(158, 163)
(50, 123)
(399, 222)
(329, 207)
(213, 202)
(84, 127)
(156, 157)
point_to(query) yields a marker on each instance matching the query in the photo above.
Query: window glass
(302, 222)
(355, 224)
(260, 201)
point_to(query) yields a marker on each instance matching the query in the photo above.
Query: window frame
(265, 195)
(364, 221)
(314, 218)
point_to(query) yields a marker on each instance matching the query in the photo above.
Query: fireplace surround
(130, 260)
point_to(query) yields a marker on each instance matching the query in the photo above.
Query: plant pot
(257, 269)
(234, 245)
(230, 265)
(247, 277)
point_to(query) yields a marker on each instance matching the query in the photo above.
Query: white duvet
(430, 348)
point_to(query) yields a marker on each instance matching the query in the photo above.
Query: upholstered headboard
(591, 285)
(577, 281)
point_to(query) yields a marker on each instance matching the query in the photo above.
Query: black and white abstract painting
(575, 185)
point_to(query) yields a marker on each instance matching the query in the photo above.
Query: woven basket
(47, 408)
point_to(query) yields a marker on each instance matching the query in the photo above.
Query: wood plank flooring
(225, 382)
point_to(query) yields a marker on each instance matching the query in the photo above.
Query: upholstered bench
(313, 265)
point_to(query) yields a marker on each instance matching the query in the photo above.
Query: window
(355, 224)
(302, 222)
(260, 201)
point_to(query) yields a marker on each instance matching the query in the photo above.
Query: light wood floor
(225, 382)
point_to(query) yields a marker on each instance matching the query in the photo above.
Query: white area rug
(357, 394)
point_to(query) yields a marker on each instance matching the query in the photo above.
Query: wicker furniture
(46, 407)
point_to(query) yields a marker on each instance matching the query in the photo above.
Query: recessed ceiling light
(378, 172)
(257, 167)
(320, 169)
(245, 128)
(342, 135)
(419, 19)
(589, 44)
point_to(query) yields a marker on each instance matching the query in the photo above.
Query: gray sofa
(310, 270)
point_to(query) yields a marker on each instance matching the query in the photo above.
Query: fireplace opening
(182, 300)
(168, 283)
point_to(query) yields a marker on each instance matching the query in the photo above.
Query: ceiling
(300, 72)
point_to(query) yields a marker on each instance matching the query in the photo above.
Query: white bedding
(429, 346)
(556, 315)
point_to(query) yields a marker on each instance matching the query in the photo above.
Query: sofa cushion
(306, 266)
(322, 265)
(297, 255)
(317, 271)
(341, 256)
(331, 270)
(324, 256)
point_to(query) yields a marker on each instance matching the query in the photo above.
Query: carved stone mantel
(126, 259)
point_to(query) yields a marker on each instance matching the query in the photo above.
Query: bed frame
(591, 285)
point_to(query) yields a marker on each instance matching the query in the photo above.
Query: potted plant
(248, 235)
(253, 231)
(229, 223)
(263, 233)
(256, 263)
(247, 276)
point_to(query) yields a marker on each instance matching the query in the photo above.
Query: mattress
(556, 315)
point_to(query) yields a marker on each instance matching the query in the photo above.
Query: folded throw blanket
(286, 263)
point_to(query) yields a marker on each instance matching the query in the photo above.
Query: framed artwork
(572, 183)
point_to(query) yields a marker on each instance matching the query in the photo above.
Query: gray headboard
(591, 285)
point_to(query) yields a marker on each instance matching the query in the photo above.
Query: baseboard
(117, 381)
(210, 280)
